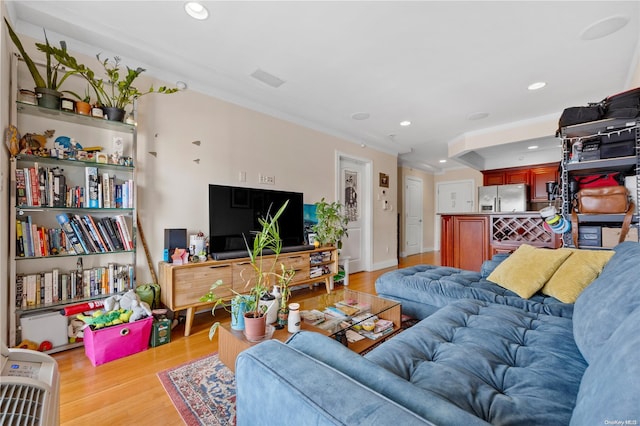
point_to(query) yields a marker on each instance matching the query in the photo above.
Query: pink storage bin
(109, 343)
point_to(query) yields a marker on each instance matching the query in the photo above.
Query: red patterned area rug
(203, 391)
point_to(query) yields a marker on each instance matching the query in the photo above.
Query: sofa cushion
(437, 286)
(528, 269)
(421, 401)
(610, 298)
(576, 273)
(502, 364)
(610, 390)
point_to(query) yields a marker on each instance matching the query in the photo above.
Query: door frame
(367, 206)
(438, 220)
(403, 252)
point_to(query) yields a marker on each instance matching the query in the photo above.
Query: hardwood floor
(127, 391)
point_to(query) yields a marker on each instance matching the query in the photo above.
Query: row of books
(47, 187)
(318, 271)
(79, 234)
(319, 257)
(55, 286)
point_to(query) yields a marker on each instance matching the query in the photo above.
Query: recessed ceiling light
(181, 85)
(405, 123)
(443, 161)
(537, 85)
(532, 147)
(604, 27)
(477, 115)
(360, 115)
(196, 10)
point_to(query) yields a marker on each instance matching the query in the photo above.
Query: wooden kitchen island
(468, 239)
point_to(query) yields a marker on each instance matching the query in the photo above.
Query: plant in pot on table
(46, 89)
(267, 238)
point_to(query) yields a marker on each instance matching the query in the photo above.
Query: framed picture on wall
(384, 180)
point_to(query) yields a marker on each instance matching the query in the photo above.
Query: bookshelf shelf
(72, 223)
(73, 118)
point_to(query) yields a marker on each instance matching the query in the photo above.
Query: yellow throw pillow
(576, 273)
(527, 269)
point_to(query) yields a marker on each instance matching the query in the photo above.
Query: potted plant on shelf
(115, 92)
(46, 89)
(332, 223)
(267, 238)
(83, 104)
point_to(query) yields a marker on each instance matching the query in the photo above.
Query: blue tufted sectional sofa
(480, 356)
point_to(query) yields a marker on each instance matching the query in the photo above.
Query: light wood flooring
(127, 391)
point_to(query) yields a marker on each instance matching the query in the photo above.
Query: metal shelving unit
(629, 166)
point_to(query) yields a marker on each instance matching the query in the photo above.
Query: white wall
(173, 188)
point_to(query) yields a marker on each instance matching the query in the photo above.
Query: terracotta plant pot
(83, 108)
(254, 328)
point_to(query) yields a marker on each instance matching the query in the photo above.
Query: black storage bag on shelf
(621, 144)
(623, 105)
(579, 115)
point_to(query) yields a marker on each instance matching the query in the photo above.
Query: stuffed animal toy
(129, 301)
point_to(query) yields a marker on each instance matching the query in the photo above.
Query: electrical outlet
(268, 180)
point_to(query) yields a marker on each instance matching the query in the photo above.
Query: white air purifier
(29, 388)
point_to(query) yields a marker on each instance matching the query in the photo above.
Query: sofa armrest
(277, 384)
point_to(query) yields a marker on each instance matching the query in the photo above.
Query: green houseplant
(267, 238)
(115, 92)
(46, 86)
(332, 223)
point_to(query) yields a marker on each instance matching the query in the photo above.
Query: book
(124, 232)
(91, 187)
(20, 296)
(113, 233)
(86, 235)
(30, 281)
(70, 233)
(48, 288)
(59, 188)
(21, 188)
(93, 233)
(35, 186)
(106, 191)
(19, 239)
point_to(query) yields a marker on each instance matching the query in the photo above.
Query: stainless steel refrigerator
(502, 198)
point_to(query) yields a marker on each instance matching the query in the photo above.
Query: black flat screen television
(234, 213)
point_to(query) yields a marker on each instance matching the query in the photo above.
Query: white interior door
(453, 197)
(353, 197)
(413, 207)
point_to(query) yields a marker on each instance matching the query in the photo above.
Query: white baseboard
(386, 264)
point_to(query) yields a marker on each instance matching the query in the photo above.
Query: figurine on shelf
(32, 143)
(11, 138)
(66, 147)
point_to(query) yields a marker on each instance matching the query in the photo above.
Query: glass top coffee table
(342, 315)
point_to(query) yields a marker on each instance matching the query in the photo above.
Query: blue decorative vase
(238, 308)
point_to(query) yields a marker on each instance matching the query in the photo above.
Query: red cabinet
(534, 176)
(465, 241)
